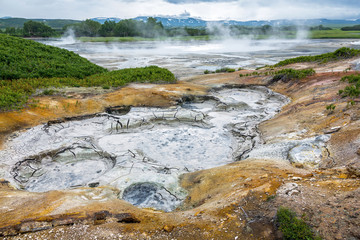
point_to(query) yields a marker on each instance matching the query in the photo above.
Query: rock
(118, 110)
(305, 154)
(353, 168)
(288, 189)
(34, 226)
(126, 218)
(149, 194)
(332, 130)
(296, 178)
(94, 184)
(168, 228)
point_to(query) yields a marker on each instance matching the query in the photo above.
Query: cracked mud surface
(142, 151)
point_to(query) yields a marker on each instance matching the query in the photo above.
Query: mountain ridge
(186, 21)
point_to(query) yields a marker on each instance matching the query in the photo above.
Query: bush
(15, 94)
(292, 227)
(221, 70)
(225, 69)
(353, 90)
(341, 53)
(288, 74)
(22, 58)
(26, 66)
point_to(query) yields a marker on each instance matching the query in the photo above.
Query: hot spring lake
(186, 58)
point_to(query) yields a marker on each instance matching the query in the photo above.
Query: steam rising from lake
(186, 58)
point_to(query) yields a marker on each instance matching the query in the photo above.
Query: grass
(26, 66)
(339, 54)
(138, 39)
(221, 70)
(21, 58)
(293, 228)
(284, 75)
(334, 33)
(288, 74)
(16, 94)
(353, 90)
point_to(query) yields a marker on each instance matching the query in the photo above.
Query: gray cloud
(275, 2)
(206, 9)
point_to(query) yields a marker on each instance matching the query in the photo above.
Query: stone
(34, 226)
(288, 190)
(168, 228)
(126, 218)
(94, 184)
(305, 154)
(353, 168)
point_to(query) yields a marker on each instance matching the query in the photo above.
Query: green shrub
(331, 107)
(26, 65)
(292, 227)
(15, 94)
(353, 90)
(22, 58)
(48, 92)
(288, 74)
(225, 69)
(341, 53)
(221, 70)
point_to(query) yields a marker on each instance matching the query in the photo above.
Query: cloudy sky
(205, 9)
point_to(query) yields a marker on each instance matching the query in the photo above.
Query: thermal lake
(186, 58)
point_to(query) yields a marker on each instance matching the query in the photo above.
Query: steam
(226, 32)
(68, 37)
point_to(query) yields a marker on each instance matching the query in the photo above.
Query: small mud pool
(141, 151)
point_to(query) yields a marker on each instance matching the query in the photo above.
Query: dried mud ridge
(234, 201)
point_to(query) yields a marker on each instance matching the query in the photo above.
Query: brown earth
(235, 201)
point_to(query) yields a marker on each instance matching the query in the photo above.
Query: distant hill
(195, 22)
(185, 22)
(19, 22)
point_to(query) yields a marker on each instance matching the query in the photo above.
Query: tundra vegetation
(352, 91)
(292, 227)
(339, 54)
(134, 30)
(26, 66)
(221, 70)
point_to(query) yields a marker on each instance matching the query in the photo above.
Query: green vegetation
(334, 33)
(88, 28)
(37, 29)
(14, 94)
(19, 22)
(331, 107)
(221, 70)
(352, 28)
(20, 58)
(353, 90)
(288, 74)
(153, 29)
(26, 65)
(284, 75)
(137, 39)
(292, 227)
(341, 53)
(124, 28)
(320, 28)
